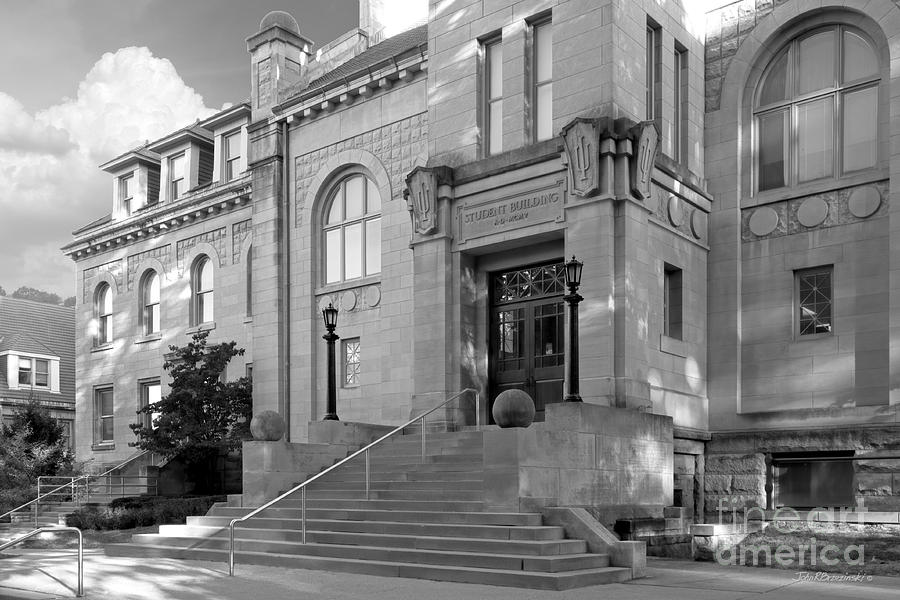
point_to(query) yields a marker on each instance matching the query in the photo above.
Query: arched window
(103, 311)
(816, 109)
(202, 290)
(352, 230)
(150, 302)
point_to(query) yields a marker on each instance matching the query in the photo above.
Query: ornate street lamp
(330, 313)
(573, 280)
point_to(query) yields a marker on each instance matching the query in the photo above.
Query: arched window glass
(150, 302)
(352, 230)
(816, 109)
(202, 290)
(104, 314)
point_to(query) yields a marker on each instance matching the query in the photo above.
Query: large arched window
(202, 290)
(103, 312)
(352, 230)
(816, 109)
(150, 302)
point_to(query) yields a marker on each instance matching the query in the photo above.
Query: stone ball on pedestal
(267, 426)
(513, 408)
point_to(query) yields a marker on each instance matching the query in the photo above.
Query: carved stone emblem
(646, 145)
(422, 196)
(582, 142)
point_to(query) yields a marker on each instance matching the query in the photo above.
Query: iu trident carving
(422, 195)
(646, 141)
(582, 138)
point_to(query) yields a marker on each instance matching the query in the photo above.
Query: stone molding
(156, 258)
(240, 233)
(110, 273)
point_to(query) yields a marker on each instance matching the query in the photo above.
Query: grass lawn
(879, 547)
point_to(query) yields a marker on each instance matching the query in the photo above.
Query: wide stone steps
(290, 528)
(422, 518)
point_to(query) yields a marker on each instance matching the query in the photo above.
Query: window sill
(349, 284)
(209, 326)
(103, 447)
(814, 187)
(248, 320)
(673, 346)
(811, 337)
(153, 337)
(103, 347)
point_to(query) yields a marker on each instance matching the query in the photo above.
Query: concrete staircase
(422, 520)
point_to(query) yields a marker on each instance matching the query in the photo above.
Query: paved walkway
(44, 574)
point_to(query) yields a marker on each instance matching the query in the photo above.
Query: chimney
(278, 53)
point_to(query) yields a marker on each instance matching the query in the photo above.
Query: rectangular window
(151, 393)
(176, 177)
(653, 70)
(814, 300)
(126, 193)
(493, 95)
(41, 373)
(231, 152)
(679, 119)
(25, 371)
(248, 370)
(542, 76)
(351, 362)
(103, 416)
(67, 433)
(672, 302)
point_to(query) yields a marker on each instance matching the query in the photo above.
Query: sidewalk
(44, 574)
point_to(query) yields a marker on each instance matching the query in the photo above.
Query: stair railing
(362, 451)
(31, 534)
(71, 484)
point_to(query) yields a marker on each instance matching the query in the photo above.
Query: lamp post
(329, 313)
(573, 280)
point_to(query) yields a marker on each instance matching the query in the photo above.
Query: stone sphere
(283, 19)
(513, 408)
(267, 426)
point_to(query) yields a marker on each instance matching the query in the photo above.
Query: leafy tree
(2, 291)
(29, 293)
(70, 301)
(31, 445)
(202, 416)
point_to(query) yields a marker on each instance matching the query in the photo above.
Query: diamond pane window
(814, 295)
(534, 282)
(351, 362)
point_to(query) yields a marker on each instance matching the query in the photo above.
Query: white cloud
(49, 180)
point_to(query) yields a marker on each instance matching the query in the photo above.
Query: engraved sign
(511, 212)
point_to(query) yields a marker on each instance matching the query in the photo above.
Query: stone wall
(878, 481)
(734, 482)
(613, 462)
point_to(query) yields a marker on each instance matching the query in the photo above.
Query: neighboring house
(728, 193)
(37, 359)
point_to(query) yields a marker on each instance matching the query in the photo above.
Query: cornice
(156, 220)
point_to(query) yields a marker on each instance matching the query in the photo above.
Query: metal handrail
(72, 483)
(31, 534)
(364, 450)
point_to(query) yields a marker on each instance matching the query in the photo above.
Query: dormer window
(176, 177)
(231, 152)
(126, 193)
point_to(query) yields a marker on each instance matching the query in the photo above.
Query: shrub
(140, 511)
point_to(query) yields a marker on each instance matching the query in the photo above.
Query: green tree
(31, 445)
(70, 301)
(29, 293)
(2, 291)
(202, 417)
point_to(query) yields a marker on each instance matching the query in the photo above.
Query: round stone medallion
(864, 202)
(676, 212)
(763, 221)
(698, 224)
(348, 300)
(812, 212)
(373, 295)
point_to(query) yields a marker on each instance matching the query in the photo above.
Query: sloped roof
(393, 46)
(38, 328)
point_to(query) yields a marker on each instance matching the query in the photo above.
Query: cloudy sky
(84, 80)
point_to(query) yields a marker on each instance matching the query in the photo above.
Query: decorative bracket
(422, 195)
(581, 137)
(646, 144)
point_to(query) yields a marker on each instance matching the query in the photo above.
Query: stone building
(727, 190)
(37, 360)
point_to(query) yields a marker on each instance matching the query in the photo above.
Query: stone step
(380, 484)
(502, 577)
(426, 505)
(416, 459)
(405, 475)
(391, 471)
(373, 514)
(407, 495)
(292, 527)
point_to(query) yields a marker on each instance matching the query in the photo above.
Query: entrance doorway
(527, 333)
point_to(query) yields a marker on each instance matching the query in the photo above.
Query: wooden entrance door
(527, 333)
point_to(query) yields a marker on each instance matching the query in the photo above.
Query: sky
(82, 81)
